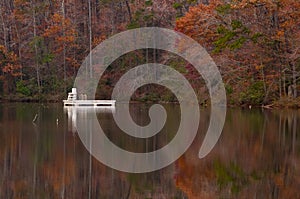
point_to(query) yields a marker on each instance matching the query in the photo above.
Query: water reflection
(257, 156)
(73, 111)
(103, 149)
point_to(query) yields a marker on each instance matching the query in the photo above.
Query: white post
(74, 92)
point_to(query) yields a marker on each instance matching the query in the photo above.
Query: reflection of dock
(73, 101)
(90, 103)
(74, 111)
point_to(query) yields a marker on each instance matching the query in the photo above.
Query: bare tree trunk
(64, 44)
(90, 38)
(284, 85)
(280, 87)
(36, 48)
(19, 46)
(3, 27)
(294, 80)
(20, 53)
(129, 10)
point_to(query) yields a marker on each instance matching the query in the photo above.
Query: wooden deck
(74, 101)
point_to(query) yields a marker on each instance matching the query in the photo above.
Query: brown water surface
(257, 156)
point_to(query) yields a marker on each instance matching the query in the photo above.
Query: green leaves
(235, 24)
(42, 57)
(47, 58)
(224, 41)
(224, 9)
(177, 5)
(256, 36)
(254, 94)
(148, 3)
(22, 88)
(133, 25)
(232, 38)
(238, 43)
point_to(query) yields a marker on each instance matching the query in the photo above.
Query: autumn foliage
(255, 42)
(10, 68)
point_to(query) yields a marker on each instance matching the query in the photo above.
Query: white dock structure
(73, 101)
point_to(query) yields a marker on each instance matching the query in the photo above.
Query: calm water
(257, 156)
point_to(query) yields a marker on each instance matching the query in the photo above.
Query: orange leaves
(22, 11)
(6, 56)
(11, 69)
(60, 28)
(66, 39)
(21, 2)
(9, 62)
(280, 33)
(62, 31)
(57, 18)
(2, 49)
(199, 22)
(258, 67)
(73, 62)
(243, 34)
(239, 4)
(52, 30)
(279, 36)
(98, 40)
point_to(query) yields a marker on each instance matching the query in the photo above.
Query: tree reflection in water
(257, 156)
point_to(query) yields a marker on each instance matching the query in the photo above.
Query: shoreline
(279, 104)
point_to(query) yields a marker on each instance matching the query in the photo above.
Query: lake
(257, 156)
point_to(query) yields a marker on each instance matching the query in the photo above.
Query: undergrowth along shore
(286, 102)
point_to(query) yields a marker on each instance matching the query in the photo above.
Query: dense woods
(255, 44)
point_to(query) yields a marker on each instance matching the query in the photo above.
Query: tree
(250, 41)
(60, 36)
(10, 69)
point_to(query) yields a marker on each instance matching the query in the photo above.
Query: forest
(255, 44)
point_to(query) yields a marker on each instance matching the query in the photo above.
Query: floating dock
(73, 101)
